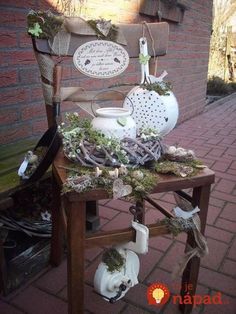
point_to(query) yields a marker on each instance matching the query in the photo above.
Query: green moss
(49, 23)
(161, 88)
(113, 260)
(173, 167)
(113, 32)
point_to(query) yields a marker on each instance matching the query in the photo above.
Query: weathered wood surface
(132, 33)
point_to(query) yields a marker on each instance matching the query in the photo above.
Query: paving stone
(121, 221)
(160, 243)
(137, 296)
(229, 267)
(91, 254)
(224, 196)
(34, 301)
(232, 251)
(107, 212)
(152, 216)
(8, 309)
(148, 262)
(229, 212)
(213, 213)
(218, 234)
(133, 309)
(172, 308)
(218, 281)
(216, 202)
(225, 186)
(217, 251)
(119, 205)
(228, 306)
(226, 224)
(54, 280)
(95, 303)
(172, 256)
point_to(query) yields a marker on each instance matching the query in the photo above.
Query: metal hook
(135, 211)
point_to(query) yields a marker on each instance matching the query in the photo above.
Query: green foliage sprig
(43, 24)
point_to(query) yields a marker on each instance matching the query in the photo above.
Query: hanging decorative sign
(101, 59)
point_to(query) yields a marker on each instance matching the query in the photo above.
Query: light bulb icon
(158, 295)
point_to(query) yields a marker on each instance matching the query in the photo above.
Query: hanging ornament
(155, 106)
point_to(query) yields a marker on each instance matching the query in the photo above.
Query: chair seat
(165, 183)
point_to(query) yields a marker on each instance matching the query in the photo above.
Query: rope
(145, 25)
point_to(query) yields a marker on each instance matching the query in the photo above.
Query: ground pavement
(213, 137)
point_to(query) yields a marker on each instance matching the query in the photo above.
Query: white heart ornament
(120, 189)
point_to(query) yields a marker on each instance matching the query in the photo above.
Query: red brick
(122, 220)
(217, 281)
(160, 243)
(21, 57)
(8, 116)
(8, 77)
(8, 39)
(221, 166)
(39, 126)
(172, 256)
(152, 216)
(225, 186)
(13, 133)
(54, 280)
(91, 254)
(17, 3)
(229, 267)
(33, 111)
(216, 202)
(223, 196)
(36, 93)
(29, 75)
(8, 309)
(233, 165)
(226, 224)
(232, 251)
(13, 18)
(218, 234)
(229, 212)
(106, 212)
(213, 260)
(148, 262)
(13, 96)
(229, 305)
(33, 300)
(25, 40)
(119, 205)
(213, 213)
(137, 295)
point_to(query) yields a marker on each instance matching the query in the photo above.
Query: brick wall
(22, 112)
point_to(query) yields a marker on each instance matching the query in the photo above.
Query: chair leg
(76, 256)
(3, 271)
(201, 197)
(57, 226)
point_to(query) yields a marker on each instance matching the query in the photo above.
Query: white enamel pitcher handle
(108, 91)
(144, 50)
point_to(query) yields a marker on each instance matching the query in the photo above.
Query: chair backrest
(47, 60)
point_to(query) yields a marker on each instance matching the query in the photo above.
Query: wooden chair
(76, 204)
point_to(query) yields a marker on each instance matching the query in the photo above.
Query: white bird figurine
(185, 214)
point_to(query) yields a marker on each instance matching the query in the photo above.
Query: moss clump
(113, 260)
(190, 168)
(112, 34)
(161, 88)
(49, 23)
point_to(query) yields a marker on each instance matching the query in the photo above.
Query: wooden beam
(122, 235)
